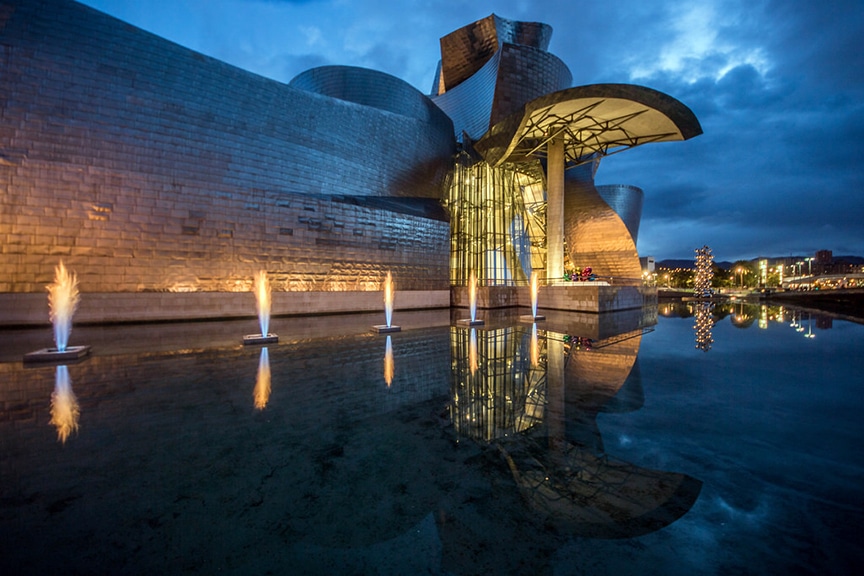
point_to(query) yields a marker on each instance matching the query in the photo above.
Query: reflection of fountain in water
(262, 297)
(262, 381)
(535, 347)
(62, 301)
(472, 352)
(389, 366)
(64, 405)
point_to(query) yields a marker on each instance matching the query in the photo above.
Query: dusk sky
(778, 86)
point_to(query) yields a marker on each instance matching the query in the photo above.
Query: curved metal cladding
(509, 67)
(466, 50)
(595, 234)
(370, 88)
(626, 201)
(469, 105)
(163, 169)
(525, 73)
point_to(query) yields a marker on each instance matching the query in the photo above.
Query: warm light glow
(388, 301)
(62, 302)
(262, 382)
(535, 347)
(472, 352)
(472, 295)
(262, 295)
(389, 366)
(64, 405)
(535, 286)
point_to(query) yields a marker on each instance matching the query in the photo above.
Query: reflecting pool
(682, 439)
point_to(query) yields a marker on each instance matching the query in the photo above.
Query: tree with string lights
(704, 272)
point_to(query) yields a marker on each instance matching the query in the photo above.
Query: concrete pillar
(555, 209)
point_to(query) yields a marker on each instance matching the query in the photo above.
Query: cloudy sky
(778, 86)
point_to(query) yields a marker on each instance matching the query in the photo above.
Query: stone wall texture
(145, 166)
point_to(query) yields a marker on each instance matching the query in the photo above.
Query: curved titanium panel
(175, 171)
(596, 236)
(626, 201)
(369, 88)
(502, 86)
(515, 86)
(466, 50)
(469, 105)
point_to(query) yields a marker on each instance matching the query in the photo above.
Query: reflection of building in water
(497, 388)
(704, 322)
(543, 421)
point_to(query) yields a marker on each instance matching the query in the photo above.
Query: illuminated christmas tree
(704, 272)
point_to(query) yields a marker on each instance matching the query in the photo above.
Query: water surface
(700, 441)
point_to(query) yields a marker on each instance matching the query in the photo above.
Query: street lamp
(740, 272)
(809, 266)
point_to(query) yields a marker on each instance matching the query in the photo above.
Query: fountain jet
(63, 300)
(472, 303)
(261, 287)
(535, 289)
(389, 294)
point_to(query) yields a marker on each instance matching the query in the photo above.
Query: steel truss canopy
(595, 121)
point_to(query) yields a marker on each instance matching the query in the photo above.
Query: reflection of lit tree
(704, 272)
(703, 325)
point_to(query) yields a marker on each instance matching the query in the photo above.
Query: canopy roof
(594, 120)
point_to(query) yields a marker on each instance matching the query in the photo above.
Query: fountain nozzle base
(270, 338)
(54, 355)
(383, 329)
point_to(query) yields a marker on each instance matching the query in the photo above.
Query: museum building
(166, 179)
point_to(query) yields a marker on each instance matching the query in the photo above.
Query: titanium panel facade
(148, 167)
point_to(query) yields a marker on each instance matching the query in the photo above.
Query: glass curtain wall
(497, 222)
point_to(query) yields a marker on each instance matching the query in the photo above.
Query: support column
(555, 209)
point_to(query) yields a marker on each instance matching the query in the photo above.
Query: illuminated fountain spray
(535, 290)
(262, 381)
(389, 295)
(64, 405)
(63, 300)
(389, 366)
(261, 287)
(472, 303)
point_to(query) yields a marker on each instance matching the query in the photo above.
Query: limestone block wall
(149, 167)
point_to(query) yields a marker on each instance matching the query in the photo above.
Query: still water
(672, 441)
